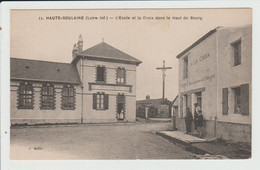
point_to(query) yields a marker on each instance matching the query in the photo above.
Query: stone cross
(164, 69)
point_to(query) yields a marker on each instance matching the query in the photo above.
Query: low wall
(43, 121)
(234, 131)
(228, 131)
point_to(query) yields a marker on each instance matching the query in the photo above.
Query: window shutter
(117, 75)
(105, 74)
(97, 73)
(106, 101)
(94, 101)
(225, 101)
(124, 76)
(245, 99)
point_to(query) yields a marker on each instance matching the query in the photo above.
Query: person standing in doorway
(196, 116)
(121, 116)
(199, 123)
(188, 121)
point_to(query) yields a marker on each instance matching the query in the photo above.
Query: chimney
(80, 44)
(147, 97)
(74, 51)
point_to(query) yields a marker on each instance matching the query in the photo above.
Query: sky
(33, 36)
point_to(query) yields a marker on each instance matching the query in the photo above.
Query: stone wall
(41, 116)
(228, 131)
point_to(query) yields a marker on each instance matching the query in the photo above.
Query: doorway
(199, 99)
(120, 107)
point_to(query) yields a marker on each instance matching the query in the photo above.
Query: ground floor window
(237, 102)
(68, 97)
(25, 96)
(47, 96)
(100, 101)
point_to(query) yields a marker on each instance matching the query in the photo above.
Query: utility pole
(164, 69)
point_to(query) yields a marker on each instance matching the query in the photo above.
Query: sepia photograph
(130, 84)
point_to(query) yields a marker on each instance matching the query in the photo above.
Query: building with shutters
(99, 85)
(215, 73)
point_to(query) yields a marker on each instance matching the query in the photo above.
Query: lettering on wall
(200, 59)
(203, 79)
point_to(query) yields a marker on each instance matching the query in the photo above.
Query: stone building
(99, 85)
(215, 73)
(157, 108)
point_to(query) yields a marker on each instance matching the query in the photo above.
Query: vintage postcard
(130, 83)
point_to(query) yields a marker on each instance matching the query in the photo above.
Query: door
(120, 107)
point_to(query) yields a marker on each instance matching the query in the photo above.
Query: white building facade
(215, 73)
(98, 86)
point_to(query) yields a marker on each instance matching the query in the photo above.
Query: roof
(107, 52)
(153, 101)
(197, 42)
(33, 70)
(175, 102)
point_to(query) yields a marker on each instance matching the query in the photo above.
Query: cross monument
(164, 69)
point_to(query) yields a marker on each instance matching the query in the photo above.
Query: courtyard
(94, 141)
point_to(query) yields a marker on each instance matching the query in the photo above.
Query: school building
(99, 83)
(215, 72)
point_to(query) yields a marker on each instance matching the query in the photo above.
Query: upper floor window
(100, 101)
(236, 48)
(68, 97)
(101, 74)
(47, 96)
(121, 75)
(25, 96)
(185, 68)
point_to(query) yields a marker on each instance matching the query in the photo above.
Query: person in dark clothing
(199, 123)
(188, 121)
(196, 116)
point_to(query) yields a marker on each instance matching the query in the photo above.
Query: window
(25, 94)
(68, 97)
(237, 100)
(100, 101)
(236, 48)
(47, 96)
(185, 68)
(120, 76)
(101, 74)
